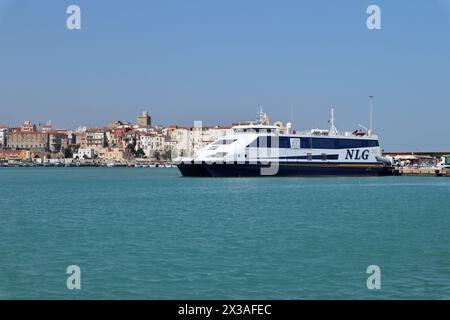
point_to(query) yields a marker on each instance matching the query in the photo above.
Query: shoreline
(426, 171)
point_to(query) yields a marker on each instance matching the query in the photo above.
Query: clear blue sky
(218, 60)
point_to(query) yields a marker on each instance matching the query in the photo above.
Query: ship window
(284, 142)
(333, 143)
(295, 143)
(324, 157)
(220, 154)
(309, 156)
(265, 142)
(224, 141)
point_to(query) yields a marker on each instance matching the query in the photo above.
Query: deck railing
(336, 134)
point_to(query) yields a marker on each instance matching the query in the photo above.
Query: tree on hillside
(140, 153)
(167, 155)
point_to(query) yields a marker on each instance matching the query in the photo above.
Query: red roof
(94, 130)
(30, 132)
(56, 132)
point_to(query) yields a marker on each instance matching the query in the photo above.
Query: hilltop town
(118, 142)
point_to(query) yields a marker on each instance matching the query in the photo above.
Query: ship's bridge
(348, 134)
(256, 129)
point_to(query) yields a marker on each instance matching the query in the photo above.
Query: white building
(153, 143)
(3, 134)
(180, 136)
(96, 138)
(86, 153)
(187, 141)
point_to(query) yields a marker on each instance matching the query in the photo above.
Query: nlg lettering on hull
(353, 154)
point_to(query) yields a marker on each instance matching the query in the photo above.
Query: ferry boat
(257, 150)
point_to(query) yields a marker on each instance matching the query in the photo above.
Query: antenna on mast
(292, 113)
(333, 130)
(371, 113)
(259, 114)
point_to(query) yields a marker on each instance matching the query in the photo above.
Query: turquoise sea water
(148, 233)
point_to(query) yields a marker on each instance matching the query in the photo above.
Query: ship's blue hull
(283, 169)
(193, 170)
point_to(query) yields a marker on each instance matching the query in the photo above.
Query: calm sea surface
(147, 233)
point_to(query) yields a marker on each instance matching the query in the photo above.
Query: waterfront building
(27, 137)
(169, 146)
(144, 120)
(180, 136)
(27, 126)
(142, 130)
(16, 155)
(131, 137)
(96, 138)
(113, 154)
(3, 134)
(71, 136)
(81, 129)
(168, 131)
(108, 137)
(118, 123)
(84, 153)
(117, 136)
(80, 139)
(47, 127)
(154, 143)
(58, 140)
